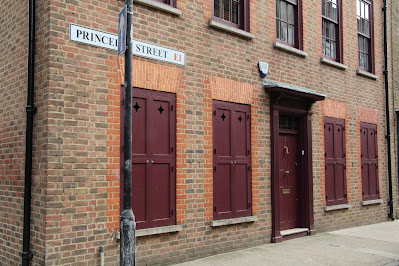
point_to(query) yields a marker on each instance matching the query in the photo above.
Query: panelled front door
(154, 158)
(288, 174)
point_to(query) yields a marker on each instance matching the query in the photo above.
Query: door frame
(299, 105)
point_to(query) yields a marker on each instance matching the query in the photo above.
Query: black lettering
(165, 53)
(98, 38)
(138, 47)
(78, 32)
(111, 41)
(85, 35)
(149, 50)
(154, 51)
(102, 39)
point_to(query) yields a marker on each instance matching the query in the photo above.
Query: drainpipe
(30, 110)
(388, 136)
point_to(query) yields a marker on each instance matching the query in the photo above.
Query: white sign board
(122, 31)
(110, 41)
(93, 37)
(159, 53)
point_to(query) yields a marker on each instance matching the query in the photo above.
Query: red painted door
(232, 165)
(154, 158)
(288, 174)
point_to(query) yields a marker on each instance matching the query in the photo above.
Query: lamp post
(127, 220)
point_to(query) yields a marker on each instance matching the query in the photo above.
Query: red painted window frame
(371, 67)
(167, 2)
(335, 161)
(298, 42)
(243, 15)
(235, 213)
(149, 224)
(338, 33)
(364, 160)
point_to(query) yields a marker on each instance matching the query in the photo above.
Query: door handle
(147, 161)
(286, 150)
(152, 161)
(286, 172)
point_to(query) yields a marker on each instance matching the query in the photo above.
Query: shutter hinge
(172, 168)
(214, 151)
(248, 116)
(249, 152)
(249, 204)
(214, 208)
(249, 168)
(214, 113)
(171, 149)
(214, 168)
(171, 107)
(172, 212)
(326, 197)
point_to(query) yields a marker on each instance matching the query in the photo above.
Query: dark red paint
(231, 160)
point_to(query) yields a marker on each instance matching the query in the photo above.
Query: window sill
(289, 49)
(240, 220)
(333, 63)
(337, 207)
(371, 202)
(239, 32)
(160, 6)
(159, 230)
(366, 74)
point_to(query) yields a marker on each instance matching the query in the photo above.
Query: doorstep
(294, 233)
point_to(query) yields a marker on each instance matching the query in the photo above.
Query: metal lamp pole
(127, 220)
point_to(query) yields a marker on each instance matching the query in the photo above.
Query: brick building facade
(227, 186)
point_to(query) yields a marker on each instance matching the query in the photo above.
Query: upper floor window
(331, 29)
(168, 2)
(234, 13)
(288, 26)
(365, 34)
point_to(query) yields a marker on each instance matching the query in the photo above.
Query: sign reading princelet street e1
(110, 41)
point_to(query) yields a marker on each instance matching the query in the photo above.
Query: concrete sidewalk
(376, 244)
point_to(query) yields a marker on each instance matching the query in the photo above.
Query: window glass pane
(291, 34)
(358, 24)
(362, 9)
(365, 45)
(328, 47)
(367, 28)
(290, 14)
(333, 50)
(324, 45)
(283, 10)
(284, 31)
(323, 7)
(328, 9)
(324, 28)
(235, 10)
(278, 29)
(226, 10)
(278, 10)
(328, 30)
(216, 8)
(358, 7)
(332, 31)
(334, 12)
(366, 11)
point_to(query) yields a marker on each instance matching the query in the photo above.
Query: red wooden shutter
(232, 172)
(368, 140)
(154, 158)
(335, 164)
